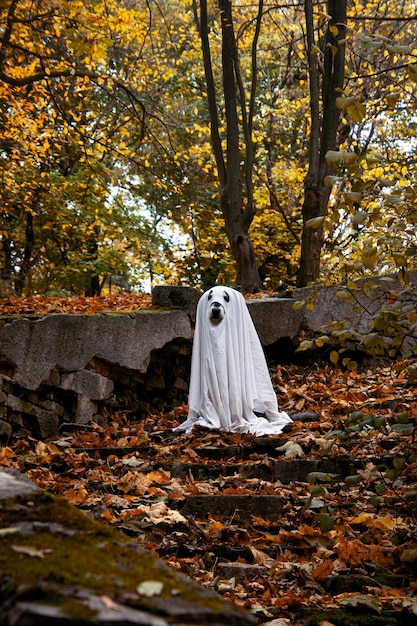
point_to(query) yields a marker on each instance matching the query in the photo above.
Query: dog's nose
(215, 310)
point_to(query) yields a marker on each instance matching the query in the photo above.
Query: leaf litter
(345, 540)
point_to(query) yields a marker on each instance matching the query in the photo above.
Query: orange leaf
(323, 570)
(76, 496)
(109, 517)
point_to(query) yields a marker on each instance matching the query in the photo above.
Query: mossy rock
(57, 564)
(339, 617)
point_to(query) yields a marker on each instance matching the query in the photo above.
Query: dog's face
(217, 302)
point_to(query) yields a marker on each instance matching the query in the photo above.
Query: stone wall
(94, 393)
(78, 368)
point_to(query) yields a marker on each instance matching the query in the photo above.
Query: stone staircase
(320, 538)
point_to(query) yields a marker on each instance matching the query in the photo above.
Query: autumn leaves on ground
(345, 540)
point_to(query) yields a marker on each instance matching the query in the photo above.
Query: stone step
(111, 580)
(239, 571)
(259, 446)
(284, 470)
(227, 506)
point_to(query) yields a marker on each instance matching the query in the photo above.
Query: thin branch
(211, 91)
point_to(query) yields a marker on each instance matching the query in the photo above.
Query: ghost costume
(230, 385)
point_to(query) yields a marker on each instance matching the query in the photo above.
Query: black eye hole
(226, 296)
(209, 297)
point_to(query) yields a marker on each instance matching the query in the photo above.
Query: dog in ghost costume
(230, 385)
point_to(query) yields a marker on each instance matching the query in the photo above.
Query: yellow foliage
(122, 100)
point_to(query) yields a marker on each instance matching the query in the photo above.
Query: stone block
(50, 405)
(93, 385)
(13, 484)
(85, 410)
(228, 506)
(90, 384)
(275, 318)
(17, 404)
(67, 381)
(48, 420)
(48, 423)
(5, 428)
(69, 342)
(156, 381)
(176, 296)
(54, 378)
(181, 384)
(239, 571)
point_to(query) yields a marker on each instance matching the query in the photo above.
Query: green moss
(392, 580)
(63, 548)
(68, 607)
(342, 618)
(47, 508)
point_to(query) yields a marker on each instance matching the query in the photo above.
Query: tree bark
(93, 286)
(324, 124)
(238, 212)
(6, 271)
(27, 255)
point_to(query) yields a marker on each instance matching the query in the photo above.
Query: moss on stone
(342, 618)
(62, 548)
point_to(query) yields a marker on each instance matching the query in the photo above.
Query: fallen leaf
(362, 601)
(132, 462)
(379, 521)
(150, 588)
(291, 449)
(109, 603)
(31, 551)
(76, 496)
(261, 558)
(8, 531)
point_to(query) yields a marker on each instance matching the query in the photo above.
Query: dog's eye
(209, 297)
(226, 296)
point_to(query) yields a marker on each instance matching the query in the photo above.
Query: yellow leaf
(360, 217)
(298, 305)
(343, 101)
(392, 99)
(315, 222)
(305, 345)
(344, 294)
(320, 341)
(400, 260)
(315, 49)
(334, 357)
(356, 111)
(379, 521)
(353, 196)
(412, 72)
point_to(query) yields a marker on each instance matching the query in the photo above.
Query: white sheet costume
(230, 382)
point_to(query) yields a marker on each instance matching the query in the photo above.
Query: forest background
(264, 144)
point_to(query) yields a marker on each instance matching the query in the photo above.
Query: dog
(216, 309)
(230, 384)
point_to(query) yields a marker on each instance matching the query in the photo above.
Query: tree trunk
(323, 134)
(6, 272)
(237, 212)
(93, 286)
(247, 275)
(27, 255)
